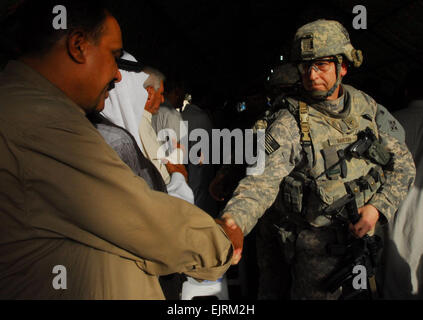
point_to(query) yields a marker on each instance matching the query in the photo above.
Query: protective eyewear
(322, 65)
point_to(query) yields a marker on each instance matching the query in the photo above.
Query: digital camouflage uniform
(333, 126)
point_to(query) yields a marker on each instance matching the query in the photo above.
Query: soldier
(309, 148)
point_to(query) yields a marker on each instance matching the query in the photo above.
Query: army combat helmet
(325, 38)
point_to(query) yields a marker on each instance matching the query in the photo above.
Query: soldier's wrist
(381, 208)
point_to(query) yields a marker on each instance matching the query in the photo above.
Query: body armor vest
(326, 176)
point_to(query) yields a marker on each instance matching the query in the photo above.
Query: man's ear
(77, 45)
(150, 92)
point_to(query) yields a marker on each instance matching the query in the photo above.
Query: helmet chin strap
(321, 95)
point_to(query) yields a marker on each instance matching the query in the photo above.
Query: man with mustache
(75, 221)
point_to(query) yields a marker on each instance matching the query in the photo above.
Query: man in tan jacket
(75, 221)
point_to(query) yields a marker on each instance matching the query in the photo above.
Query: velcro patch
(307, 46)
(271, 145)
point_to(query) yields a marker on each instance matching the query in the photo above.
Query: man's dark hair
(29, 29)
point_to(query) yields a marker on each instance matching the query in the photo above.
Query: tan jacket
(67, 199)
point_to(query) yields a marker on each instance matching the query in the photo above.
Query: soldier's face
(319, 77)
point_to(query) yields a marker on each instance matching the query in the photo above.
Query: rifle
(364, 251)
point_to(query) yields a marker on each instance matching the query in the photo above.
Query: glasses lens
(317, 65)
(322, 65)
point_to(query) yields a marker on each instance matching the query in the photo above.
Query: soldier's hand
(235, 234)
(369, 216)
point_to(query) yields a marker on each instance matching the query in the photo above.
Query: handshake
(234, 234)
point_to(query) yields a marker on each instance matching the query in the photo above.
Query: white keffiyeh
(126, 101)
(125, 108)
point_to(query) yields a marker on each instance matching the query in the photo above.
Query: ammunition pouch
(293, 189)
(365, 187)
(306, 202)
(293, 195)
(378, 154)
(321, 193)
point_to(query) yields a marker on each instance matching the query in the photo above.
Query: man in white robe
(126, 107)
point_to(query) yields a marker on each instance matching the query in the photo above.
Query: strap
(304, 125)
(305, 132)
(373, 287)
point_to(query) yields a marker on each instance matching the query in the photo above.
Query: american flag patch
(271, 145)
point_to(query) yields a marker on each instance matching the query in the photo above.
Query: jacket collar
(20, 70)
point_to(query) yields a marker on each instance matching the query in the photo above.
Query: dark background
(224, 49)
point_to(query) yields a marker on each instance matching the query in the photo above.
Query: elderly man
(171, 168)
(326, 149)
(76, 222)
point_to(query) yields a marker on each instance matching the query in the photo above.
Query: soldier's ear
(344, 69)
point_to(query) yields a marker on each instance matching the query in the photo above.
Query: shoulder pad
(292, 105)
(386, 123)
